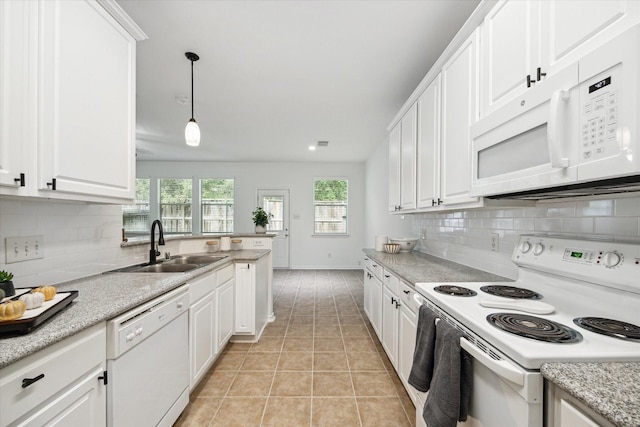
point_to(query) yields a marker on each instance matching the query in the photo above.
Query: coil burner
(510, 292)
(458, 291)
(610, 327)
(534, 328)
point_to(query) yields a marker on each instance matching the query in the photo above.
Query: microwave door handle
(502, 368)
(558, 98)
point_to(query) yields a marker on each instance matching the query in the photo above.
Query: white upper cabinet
(408, 159)
(459, 110)
(509, 51)
(72, 108)
(394, 168)
(402, 162)
(14, 105)
(525, 41)
(429, 145)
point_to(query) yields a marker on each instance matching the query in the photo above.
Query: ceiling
(275, 77)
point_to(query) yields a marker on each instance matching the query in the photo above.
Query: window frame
(346, 207)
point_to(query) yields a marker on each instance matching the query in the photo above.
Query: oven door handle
(502, 368)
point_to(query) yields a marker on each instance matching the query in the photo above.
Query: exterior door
(276, 202)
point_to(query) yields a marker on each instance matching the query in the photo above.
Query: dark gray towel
(466, 384)
(422, 368)
(443, 407)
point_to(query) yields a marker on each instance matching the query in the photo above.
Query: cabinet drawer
(405, 295)
(225, 274)
(201, 286)
(61, 364)
(376, 269)
(391, 282)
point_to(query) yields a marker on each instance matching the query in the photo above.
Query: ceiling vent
(323, 143)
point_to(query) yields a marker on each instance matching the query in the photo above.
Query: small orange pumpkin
(11, 310)
(48, 291)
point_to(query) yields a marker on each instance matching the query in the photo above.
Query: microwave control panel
(599, 117)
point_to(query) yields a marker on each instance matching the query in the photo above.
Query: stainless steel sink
(166, 268)
(195, 259)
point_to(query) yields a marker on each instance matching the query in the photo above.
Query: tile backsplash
(464, 236)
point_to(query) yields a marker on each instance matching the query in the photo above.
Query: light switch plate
(24, 248)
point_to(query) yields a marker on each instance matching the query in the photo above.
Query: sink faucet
(154, 252)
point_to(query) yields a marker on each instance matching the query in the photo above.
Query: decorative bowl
(406, 243)
(391, 248)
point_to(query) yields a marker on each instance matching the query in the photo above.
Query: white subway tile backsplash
(467, 241)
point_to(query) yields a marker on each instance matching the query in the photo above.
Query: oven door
(530, 143)
(504, 394)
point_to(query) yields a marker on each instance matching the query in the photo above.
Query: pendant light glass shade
(192, 133)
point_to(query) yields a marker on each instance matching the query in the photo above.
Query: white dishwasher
(148, 362)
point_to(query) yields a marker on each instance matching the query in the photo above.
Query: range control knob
(538, 248)
(525, 247)
(611, 259)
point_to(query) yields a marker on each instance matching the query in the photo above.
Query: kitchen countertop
(416, 267)
(102, 297)
(611, 389)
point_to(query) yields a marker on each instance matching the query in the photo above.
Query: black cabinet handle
(528, 80)
(393, 300)
(20, 180)
(52, 184)
(104, 377)
(405, 291)
(26, 382)
(540, 74)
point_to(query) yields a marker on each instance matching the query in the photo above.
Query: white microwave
(575, 128)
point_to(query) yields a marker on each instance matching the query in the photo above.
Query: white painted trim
(123, 19)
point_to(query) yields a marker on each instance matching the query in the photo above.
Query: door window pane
(175, 205)
(216, 199)
(135, 217)
(274, 205)
(330, 199)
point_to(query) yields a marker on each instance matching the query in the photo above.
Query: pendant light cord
(191, 88)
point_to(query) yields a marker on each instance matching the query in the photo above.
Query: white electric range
(570, 292)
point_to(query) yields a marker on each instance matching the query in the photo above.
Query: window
(274, 205)
(135, 218)
(175, 205)
(216, 203)
(330, 200)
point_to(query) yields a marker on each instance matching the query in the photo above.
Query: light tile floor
(318, 364)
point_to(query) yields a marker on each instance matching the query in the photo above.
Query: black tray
(24, 326)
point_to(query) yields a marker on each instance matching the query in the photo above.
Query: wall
(378, 220)
(307, 251)
(463, 236)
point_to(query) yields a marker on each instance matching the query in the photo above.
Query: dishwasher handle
(502, 368)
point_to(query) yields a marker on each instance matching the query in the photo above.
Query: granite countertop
(611, 389)
(102, 297)
(417, 267)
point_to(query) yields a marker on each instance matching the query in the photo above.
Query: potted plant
(6, 284)
(261, 219)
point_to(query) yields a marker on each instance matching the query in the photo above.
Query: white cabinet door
(459, 110)
(407, 327)
(390, 324)
(86, 93)
(570, 29)
(394, 168)
(82, 404)
(245, 303)
(376, 305)
(509, 51)
(408, 148)
(15, 73)
(202, 337)
(225, 312)
(428, 174)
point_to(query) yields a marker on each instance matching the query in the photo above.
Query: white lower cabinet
(390, 313)
(251, 299)
(202, 337)
(226, 302)
(407, 328)
(66, 384)
(373, 295)
(565, 410)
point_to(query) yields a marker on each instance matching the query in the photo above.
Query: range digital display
(576, 254)
(599, 85)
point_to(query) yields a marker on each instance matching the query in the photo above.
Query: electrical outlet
(494, 241)
(24, 248)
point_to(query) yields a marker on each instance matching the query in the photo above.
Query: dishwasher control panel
(126, 331)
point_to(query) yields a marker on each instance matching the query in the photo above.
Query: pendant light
(192, 131)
